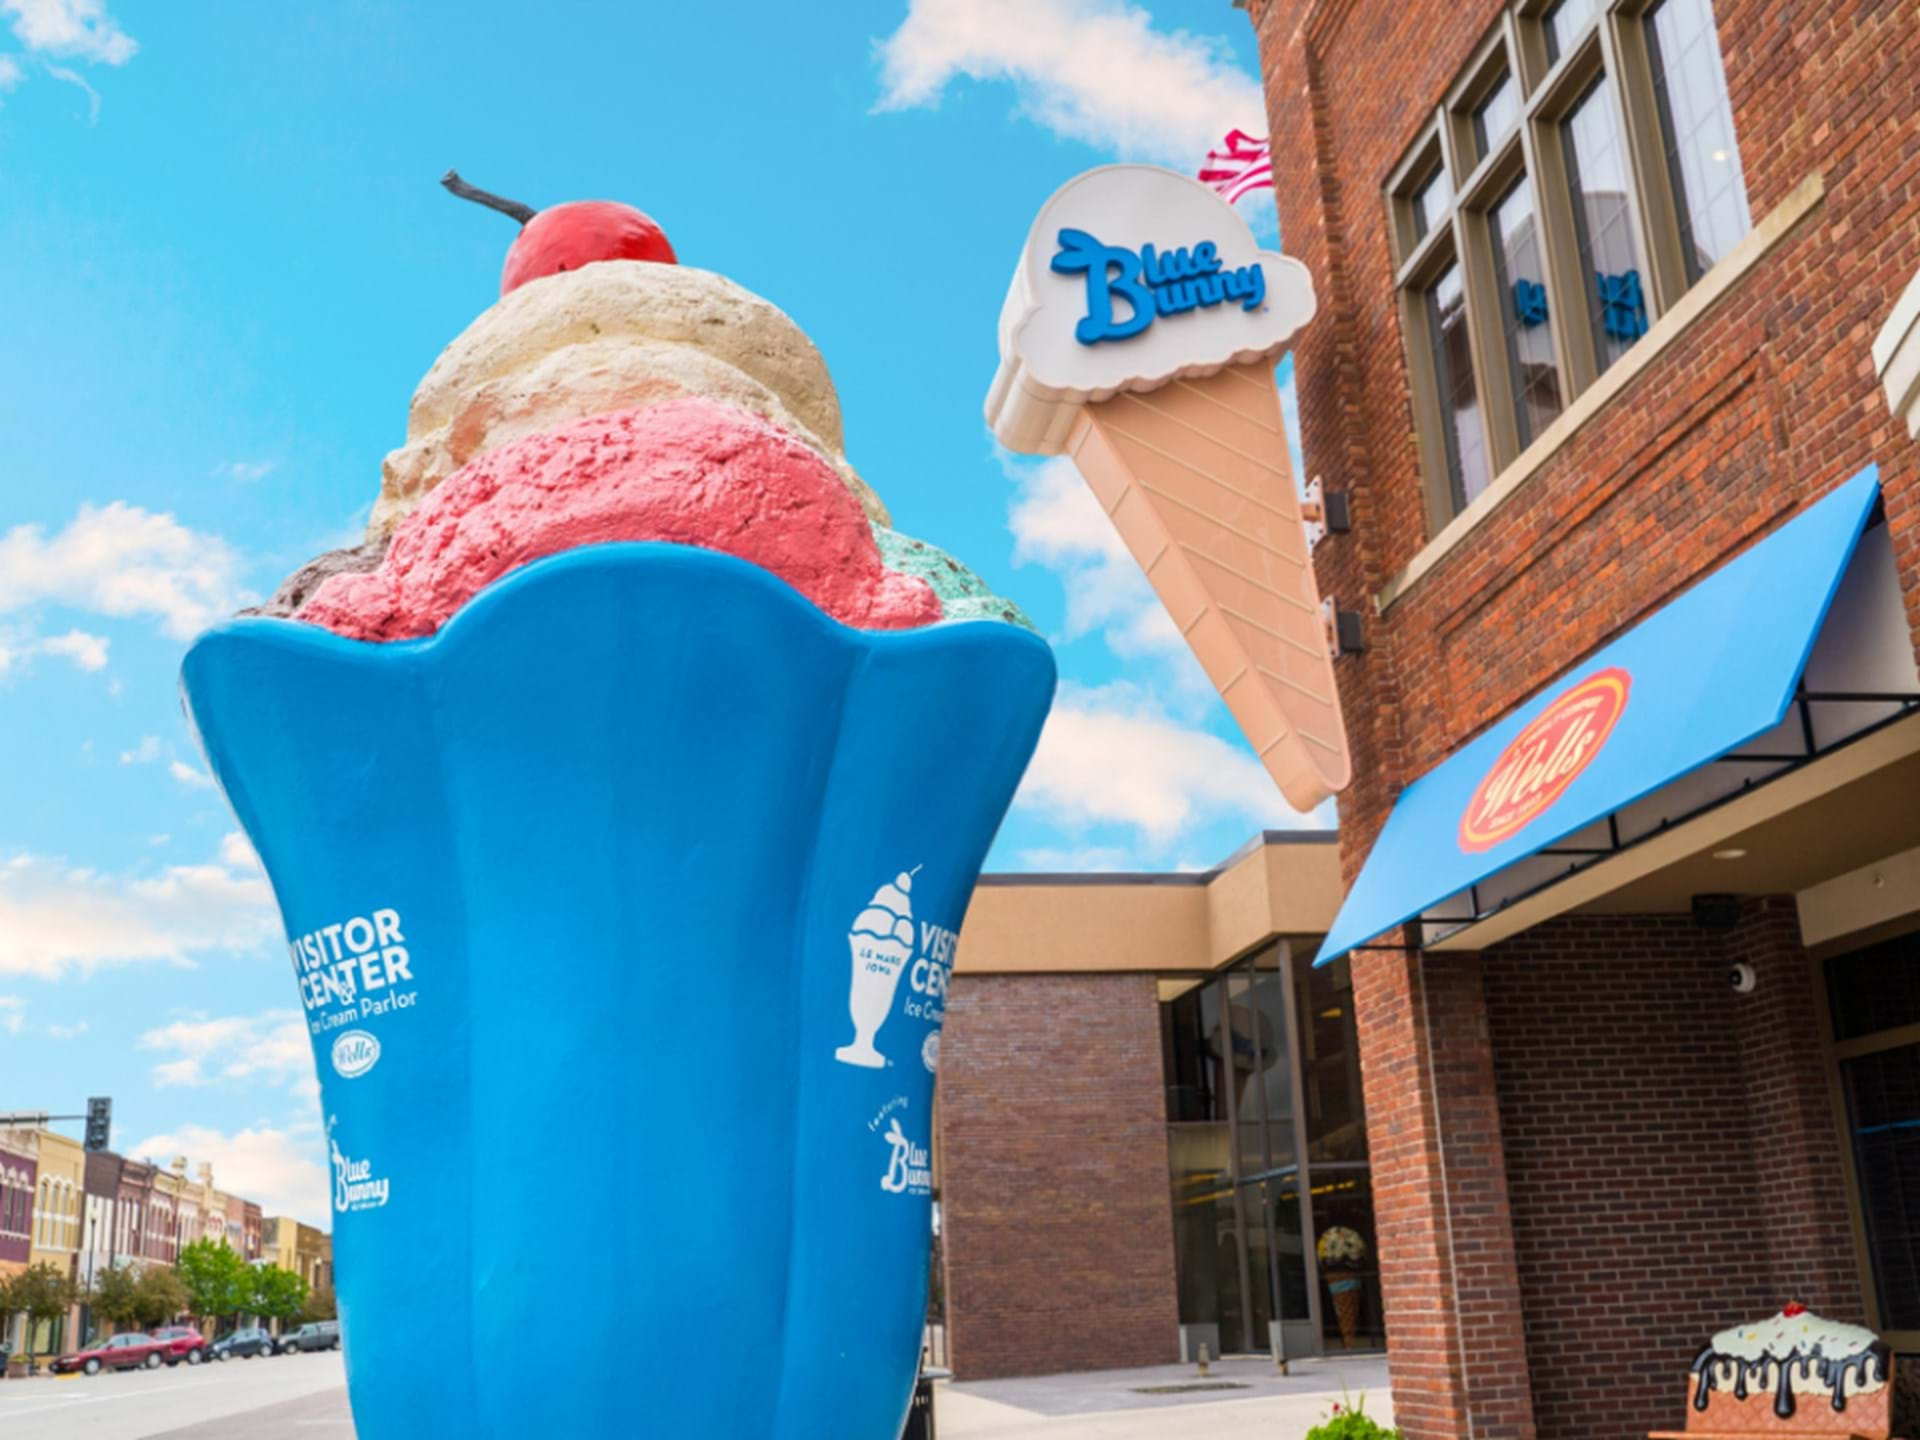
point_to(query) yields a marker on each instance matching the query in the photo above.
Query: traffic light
(99, 1122)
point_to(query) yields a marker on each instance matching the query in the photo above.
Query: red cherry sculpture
(565, 237)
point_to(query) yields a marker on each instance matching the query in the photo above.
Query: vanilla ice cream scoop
(609, 337)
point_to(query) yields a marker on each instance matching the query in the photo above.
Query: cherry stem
(453, 182)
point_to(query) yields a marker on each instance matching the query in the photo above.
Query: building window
(1696, 124)
(1461, 430)
(1562, 23)
(1493, 117)
(1430, 203)
(1521, 277)
(1581, 174)
(1873, 1001)
(1609, 253)
(1259, 1060)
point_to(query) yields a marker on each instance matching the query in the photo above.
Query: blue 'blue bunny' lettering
(1152, 282)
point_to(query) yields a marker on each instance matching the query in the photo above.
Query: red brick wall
(1671, 1156)
(1054, 1187)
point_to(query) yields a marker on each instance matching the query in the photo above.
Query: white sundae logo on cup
(909, 1167)
(354, 1054)
(882, 941)
(355, 1186)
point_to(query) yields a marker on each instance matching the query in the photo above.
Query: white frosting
(1803, 1336)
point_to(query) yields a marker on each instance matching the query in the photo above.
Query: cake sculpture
(575, 782)
(1792, 1373)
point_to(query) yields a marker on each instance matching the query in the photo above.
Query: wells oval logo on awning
(1544, 759)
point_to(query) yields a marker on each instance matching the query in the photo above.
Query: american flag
(1244, 165)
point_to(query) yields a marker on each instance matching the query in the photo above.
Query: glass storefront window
(1883, 1107)
(1330, 1062)
(1251, 1055)
(1877, 988)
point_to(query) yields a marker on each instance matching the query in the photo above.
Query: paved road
(301, 1396)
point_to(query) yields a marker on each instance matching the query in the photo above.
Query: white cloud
(88, 652)
(245, 471)
(1096, 71)
(55, 918)
(237, 852)
(13, 1014)
(119, 560)
(145, 753)
(10, 73)
(283, 1174)
(67, 1032)
(188, 776)
(80, 29)
(269, 1048)
(78, 81)
(1112, 755)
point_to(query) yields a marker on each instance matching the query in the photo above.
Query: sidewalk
(1109, 1405)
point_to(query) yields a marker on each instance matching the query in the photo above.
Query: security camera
(1741, 977)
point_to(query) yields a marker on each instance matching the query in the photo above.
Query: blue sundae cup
(577, 893)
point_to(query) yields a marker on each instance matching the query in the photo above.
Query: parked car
(183, 1342)
(321, 1335)
(123, 1352)
(242, 1343)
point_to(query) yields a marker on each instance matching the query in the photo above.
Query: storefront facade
(1149, 1120)
(1597, 372)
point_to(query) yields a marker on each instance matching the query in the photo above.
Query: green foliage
(218, 1281)
(115, 1297)
(41, 1293)
(1351, 1422)
(277, 1294)
(158, 1296)
(319, 1306)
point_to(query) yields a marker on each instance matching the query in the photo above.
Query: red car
(122, 1352)
(183, 1342)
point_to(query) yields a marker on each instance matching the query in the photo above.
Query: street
(305, 1396)
(287, 1395)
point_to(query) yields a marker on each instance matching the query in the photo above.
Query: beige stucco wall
(1281, 885)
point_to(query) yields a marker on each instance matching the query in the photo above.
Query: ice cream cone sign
(1139, 338)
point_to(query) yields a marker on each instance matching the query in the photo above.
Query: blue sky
(224, 264)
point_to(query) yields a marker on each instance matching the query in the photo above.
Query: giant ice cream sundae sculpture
(569, 782)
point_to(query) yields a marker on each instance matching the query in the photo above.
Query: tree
(115, 1297)
(277, 1294)
(218, 1282)
(158, 1297)
(42, 1294)
(320, 1306)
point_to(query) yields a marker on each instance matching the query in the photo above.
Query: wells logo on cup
(1544, 759)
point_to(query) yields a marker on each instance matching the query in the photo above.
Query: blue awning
(1705, 675)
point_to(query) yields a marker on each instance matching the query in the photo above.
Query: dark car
(321, 1335)
(242, 1343)
(122, 1352)
(183, 1342)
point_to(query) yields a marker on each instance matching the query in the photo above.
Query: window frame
(1610, 47)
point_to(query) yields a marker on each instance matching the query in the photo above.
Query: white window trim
(1781, 221)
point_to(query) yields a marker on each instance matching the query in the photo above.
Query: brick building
(1601, 282)
(1149, 1111)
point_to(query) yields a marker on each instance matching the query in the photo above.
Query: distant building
(19, 1177)
(58, 1198)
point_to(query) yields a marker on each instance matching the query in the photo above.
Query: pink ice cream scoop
(692, 471)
